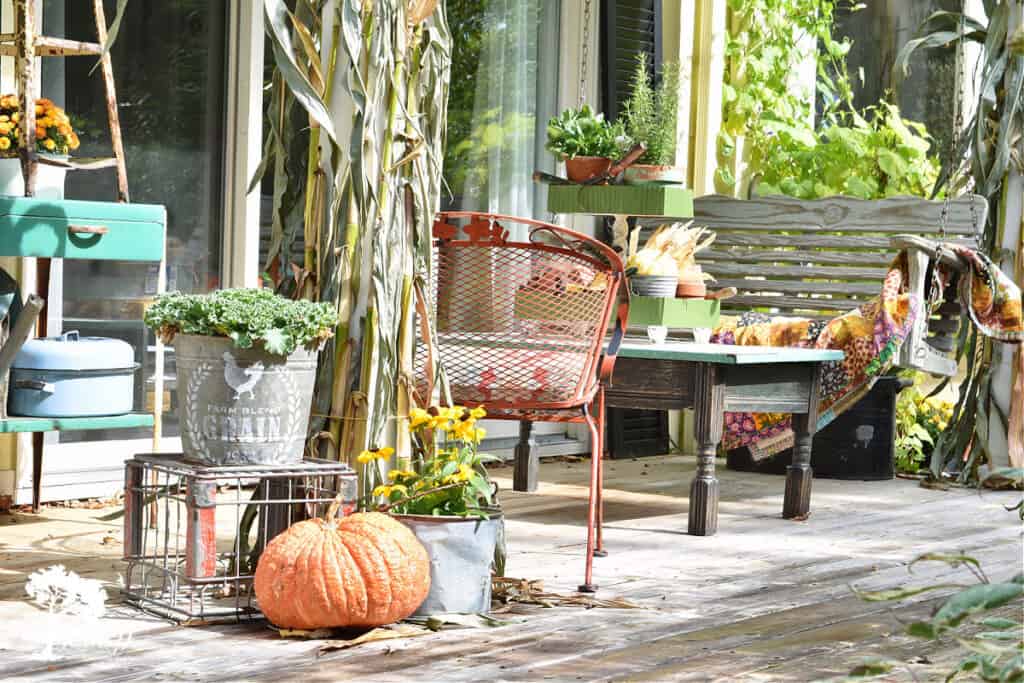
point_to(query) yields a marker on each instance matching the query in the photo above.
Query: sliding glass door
(169, 65)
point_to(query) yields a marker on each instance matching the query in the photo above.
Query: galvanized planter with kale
(242, 406)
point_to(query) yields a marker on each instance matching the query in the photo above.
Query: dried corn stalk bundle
(357, 120)
(672, 250)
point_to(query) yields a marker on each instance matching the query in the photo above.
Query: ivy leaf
(975, 599)
(892, 164)
(871, 668)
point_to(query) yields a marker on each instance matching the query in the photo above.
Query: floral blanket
(870, 336)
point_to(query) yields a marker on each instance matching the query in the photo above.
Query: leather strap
(428, 341)
(621, 317)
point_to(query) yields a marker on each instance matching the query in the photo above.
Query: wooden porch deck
(765, 599)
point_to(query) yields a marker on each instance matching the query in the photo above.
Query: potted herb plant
(54, 138)
(586, 142)
(245, 362)
(650, 118)
(446, 498)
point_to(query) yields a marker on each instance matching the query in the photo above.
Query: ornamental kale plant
(249, 317)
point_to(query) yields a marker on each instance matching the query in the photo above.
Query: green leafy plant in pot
(651, 118)
(446, 498)
(245, 362)
(586, 142)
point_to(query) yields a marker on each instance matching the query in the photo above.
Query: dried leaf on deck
(392, 632)
(507, 590)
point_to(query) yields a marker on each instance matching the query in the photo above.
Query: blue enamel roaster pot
(72, 376)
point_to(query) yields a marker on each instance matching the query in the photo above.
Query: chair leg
(595, 475)
(600, 550)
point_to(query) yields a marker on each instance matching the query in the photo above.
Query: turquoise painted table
(50, 228)
(713, 379)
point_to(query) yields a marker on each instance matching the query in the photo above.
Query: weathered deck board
(765, 599)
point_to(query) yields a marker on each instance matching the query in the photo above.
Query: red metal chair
(520, 328)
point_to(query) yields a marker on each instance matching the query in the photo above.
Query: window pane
(169, 70)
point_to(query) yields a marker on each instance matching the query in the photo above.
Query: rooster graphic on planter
(242, 380)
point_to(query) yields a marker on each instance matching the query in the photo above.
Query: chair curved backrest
(518, 325)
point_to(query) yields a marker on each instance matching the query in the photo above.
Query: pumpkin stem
(332, 511)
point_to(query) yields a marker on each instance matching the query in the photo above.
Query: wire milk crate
(193, 534)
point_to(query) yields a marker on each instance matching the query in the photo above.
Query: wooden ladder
(25, 44)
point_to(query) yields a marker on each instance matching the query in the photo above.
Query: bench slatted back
(821, 257)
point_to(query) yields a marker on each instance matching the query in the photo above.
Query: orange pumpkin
(367, 569)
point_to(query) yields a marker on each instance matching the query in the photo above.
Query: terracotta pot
(644, 174)
(691, 289)
(580, 169)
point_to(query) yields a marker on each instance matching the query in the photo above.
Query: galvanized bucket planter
(242, 406)
(461, 550)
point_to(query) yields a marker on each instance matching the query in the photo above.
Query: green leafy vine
(869, 153)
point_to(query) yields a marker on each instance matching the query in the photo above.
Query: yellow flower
(39, 110)
(400, 474)
(478, 413)
(73, 141)
(64, 129)
(388, 490)
(49, 144)
(16, 116)
(418, 417)
(479, 433)
(365, 457)
(5, 143)
(385, 453)
(465, 472)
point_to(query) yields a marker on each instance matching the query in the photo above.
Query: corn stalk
(357, 114)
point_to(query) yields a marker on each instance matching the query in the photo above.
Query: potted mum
(246, 362)
(446, 498)
(54, 138)
(586, 142)
(650, 116)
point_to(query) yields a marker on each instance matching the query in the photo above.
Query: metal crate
(193, 534)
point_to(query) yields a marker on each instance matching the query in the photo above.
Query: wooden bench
(821, 258)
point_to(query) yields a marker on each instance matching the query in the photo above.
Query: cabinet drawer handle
(88, 230)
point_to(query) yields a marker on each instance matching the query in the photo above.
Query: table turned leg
(527, 460)
(709, 403)
(797, 503)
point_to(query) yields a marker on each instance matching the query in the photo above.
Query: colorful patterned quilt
(870, 336)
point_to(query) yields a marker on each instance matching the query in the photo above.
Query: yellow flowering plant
(920, 419)
(54, 134)
(446, 475)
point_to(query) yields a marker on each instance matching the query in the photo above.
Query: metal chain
(586, 52)
(958, 124)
